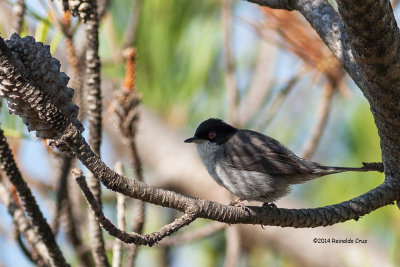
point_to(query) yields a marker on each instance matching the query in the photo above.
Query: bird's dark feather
(251, 151)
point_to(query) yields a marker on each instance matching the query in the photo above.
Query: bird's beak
(193, 140)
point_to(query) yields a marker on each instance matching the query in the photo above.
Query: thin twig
(18, 14)
(94, 109)
(74, 62)
(102, 6)
(127, 102)
(121, 223)
(230, 81)
(22, 246)
(22, 224)
(148, 239)
(74, 235)
(29, 204)
(62, 192)
(232, 246)
(276, 103)
(130, 33)
(323, 111)
(260, 85)
(40, 186)
(192, 236)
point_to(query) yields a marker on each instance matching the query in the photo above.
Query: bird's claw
(269, 205)
(238, 203)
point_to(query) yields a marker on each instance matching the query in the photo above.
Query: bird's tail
(374, 166)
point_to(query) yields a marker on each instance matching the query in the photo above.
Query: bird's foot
(269, 205)
(238, 203)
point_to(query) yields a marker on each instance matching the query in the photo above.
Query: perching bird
(253, 166)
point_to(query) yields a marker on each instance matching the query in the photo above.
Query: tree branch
(233, 246)
(74, 235)
(28, 202)
(121, 222)
(94, 99)
(39, 251)
(62, 192)
(149, 239)
(127, 101)
(366, 41)
(231, 87)
(323, 112)
(18, 14)
(375, 42)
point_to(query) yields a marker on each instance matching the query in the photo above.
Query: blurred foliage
(178, 47)
(12, 125)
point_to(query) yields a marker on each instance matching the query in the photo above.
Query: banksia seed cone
(36, 90)
(127, 99)
(126, 111)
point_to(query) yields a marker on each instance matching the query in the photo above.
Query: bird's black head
(213, 130)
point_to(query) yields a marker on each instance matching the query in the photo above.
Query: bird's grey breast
(211, 154)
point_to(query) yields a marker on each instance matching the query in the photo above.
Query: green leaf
(42, 31)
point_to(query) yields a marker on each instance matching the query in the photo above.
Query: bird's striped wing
(252, 151)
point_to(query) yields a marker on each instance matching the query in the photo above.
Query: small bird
(253, 166)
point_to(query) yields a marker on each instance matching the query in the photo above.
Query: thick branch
(366, 41)
(375, 42)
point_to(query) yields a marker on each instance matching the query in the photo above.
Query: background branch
(230, 80)
(29, 204)
(121, 222)
(62, 193)
(94, 112)
(18, 15)
(39, 252)
(323, 112)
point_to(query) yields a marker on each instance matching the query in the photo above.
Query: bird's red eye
(212, 135)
